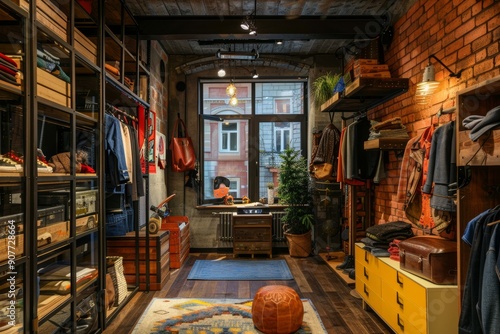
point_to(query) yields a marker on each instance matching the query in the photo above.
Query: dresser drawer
(369, 295)
(404, 305)
(397, 321)
(404, 285)
(366, 259)
(251, 234)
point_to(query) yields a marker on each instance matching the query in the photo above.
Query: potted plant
(323, 87)
(295, 192)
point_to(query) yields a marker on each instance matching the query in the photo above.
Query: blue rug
(240, 270)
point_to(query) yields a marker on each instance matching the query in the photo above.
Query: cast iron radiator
(226, 226)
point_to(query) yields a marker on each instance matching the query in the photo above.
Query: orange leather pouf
(277, 309)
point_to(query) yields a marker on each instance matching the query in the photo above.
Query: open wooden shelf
(386, 144)
(366, 93)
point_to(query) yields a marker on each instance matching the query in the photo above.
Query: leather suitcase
(431, 258)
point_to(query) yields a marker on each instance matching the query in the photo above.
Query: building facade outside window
(243, 142)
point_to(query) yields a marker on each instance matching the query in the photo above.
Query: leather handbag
(181, 147)
(323, 171)
(431, 258)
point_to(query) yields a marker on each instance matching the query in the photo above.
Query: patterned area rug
(204, 316)
(240, 270)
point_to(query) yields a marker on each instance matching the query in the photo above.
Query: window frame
(253, 120)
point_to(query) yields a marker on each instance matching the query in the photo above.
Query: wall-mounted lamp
(212, 118)
(429, 85)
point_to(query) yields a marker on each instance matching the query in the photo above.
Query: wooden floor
(340, 311)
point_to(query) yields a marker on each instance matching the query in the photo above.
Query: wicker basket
(299, 245)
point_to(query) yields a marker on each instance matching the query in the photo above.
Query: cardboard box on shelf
(52, 88)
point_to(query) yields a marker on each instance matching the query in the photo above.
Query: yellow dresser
(407, 303)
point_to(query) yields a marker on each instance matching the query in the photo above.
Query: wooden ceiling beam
(355, 27)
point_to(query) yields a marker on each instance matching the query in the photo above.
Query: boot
(348, 262)
(352, 274)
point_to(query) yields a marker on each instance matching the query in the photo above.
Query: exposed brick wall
(464, 34)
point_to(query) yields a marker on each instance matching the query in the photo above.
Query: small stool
(277, 309)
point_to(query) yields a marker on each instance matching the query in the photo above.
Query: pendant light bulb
(231, 90)
(233, 101)
(221, 73)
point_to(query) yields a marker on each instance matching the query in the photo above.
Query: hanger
(496, 221)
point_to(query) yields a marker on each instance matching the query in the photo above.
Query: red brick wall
(463, 34)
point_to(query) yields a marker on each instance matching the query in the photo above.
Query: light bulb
(221, 73)
(231, 89)
(233, 101)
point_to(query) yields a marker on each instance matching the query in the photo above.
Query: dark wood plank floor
(340, 312)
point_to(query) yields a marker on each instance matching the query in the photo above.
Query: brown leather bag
(431, 258)
(181, 146)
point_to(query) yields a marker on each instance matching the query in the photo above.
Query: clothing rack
(112, 109)
(355, 116)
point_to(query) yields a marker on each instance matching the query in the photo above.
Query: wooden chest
(179, 239)
(159, 257)
(252, 234)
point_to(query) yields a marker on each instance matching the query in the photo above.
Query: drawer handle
(365, 290)
(400, 282)
(401, 323)
(365, 273)
(366, 256)
(399, 300)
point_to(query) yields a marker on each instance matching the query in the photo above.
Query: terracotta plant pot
(299, 245)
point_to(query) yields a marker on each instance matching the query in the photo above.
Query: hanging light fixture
(233, 101)
(221, 73)
(255, 75)
(429, 85)
(231, 89)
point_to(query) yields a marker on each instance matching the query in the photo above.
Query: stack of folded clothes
(9, 71)
(391, 128)
(379, 237)
(51, 64)
(394, 249)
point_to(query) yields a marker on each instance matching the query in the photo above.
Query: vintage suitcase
(432, 258)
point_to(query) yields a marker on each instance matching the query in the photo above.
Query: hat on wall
(480, 125)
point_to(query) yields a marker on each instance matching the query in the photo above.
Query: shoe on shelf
(348, 262)
(352, 274)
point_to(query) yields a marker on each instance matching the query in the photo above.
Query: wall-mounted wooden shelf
(366, 93)
(386, 144)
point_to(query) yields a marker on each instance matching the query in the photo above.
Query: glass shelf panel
(12, 299)
(12, 222)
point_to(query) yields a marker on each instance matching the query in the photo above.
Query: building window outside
(229, 137)
(282, 135)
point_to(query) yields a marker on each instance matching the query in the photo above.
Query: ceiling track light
(248, 24)
(429, 85)
(237, 55)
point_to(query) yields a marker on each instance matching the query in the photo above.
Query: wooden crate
(179, 239)
(49, 15)
(159, 257)
(52, 88)
(85, 46)
(11, 247)
(57, 231)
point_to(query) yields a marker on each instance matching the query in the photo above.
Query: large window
(243, 142)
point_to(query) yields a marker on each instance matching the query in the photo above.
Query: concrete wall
(203, 223)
